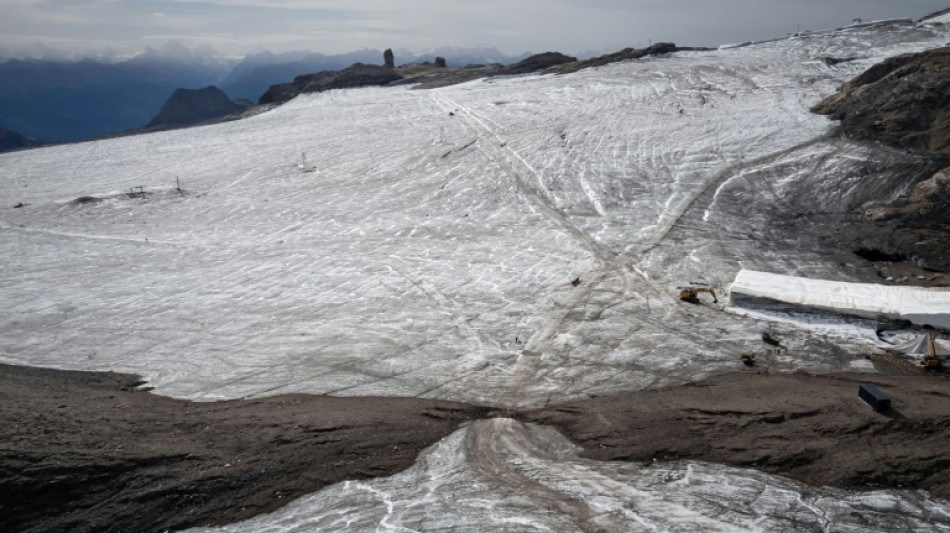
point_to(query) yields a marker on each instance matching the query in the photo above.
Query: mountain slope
(192, 106)
(904, 102)
(11, 140)
(515, 242)
(73, 101)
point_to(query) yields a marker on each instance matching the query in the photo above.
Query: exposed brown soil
(84, 451)
(810, 428)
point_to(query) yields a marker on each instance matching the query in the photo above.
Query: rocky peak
(191, 106)
(539, 62)
(356, 75)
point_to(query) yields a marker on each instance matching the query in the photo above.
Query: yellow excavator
(691, 293)
(931, 361)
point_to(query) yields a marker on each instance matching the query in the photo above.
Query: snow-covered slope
(429, 247)
(513, 241)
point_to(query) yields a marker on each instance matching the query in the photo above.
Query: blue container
(873, 396)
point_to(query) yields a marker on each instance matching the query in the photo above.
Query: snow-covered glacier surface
(511, 241)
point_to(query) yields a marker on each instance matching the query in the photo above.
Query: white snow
(919, 305)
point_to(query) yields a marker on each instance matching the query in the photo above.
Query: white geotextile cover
(919, 305)
(919, 346)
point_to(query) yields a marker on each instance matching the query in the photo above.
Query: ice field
(514, 242)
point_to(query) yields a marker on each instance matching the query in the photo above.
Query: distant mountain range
(72, 100)
(78, 100)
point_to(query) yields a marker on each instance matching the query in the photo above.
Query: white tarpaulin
(919, 346)
(919, 305)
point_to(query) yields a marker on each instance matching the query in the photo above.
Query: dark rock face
(192, 106)
(622, 55)
(388, 60)
(357, 75)
(539, 62)
(440, 62)
(903, 102)
(11, 140)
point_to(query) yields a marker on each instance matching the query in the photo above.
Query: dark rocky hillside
(903, 101)
(193, 106)
(11, 140)
(356, 75)
(428, 75)
(539, 62)
(622, 55)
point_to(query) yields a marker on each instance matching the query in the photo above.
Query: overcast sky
(236, 27)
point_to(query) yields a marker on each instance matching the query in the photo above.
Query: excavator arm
(931, 362)
(690, 294)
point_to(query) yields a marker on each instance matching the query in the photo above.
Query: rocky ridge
(903, 102)
(193, 106)
(11, 140)
(433, 75)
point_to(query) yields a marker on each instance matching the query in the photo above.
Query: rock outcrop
(388, 60)
(622, 55)
(539, 62)
(903, 102)
(193, 106)
(431, 75)
(929, 200)
(356, 75)
(11, 140)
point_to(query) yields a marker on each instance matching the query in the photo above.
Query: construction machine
(691, 293)
(931, 361)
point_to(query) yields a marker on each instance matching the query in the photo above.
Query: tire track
(480, 132)
(632, 255)
(487, 443)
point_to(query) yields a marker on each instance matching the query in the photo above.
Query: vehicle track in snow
(494, 152)
(527, 362)
(609, 266)
(491, 441)
(632, 255)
